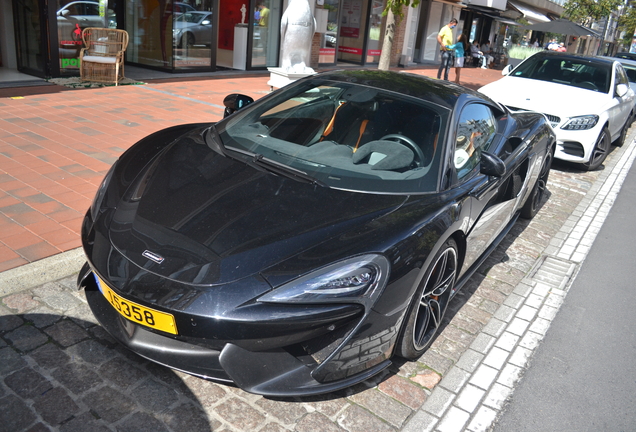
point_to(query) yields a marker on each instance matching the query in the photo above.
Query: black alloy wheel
(533, 203)
(621, 139)
(600, 151)
(428, 306)
(187, 40)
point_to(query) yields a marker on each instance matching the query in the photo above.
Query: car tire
(600, 151)
(621, 139)
(533, 203)
(428, 306)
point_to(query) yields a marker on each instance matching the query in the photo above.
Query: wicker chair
(103, 55)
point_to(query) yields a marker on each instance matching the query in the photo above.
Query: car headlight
(360, 280)
(581, 122)
(101, 192)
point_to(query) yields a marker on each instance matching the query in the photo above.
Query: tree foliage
(587, 12)
(396, 6)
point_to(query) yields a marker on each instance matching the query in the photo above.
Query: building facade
(43, 37)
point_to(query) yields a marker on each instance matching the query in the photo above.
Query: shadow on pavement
(68, 373)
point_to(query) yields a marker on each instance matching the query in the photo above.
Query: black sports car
(299, 244)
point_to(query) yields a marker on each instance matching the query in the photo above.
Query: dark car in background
(302, 243)
(626, 55)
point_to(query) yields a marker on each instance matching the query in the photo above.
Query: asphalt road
(583, 375)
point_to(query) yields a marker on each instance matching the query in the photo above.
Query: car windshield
(345, 136)
(581, 73)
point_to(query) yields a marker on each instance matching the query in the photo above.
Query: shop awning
(532, 15)
(503, 20)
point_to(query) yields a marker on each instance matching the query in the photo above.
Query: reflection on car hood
(214, 220)
(546, 97)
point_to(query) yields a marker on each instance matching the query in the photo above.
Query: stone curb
(37, 273)
(473, 393)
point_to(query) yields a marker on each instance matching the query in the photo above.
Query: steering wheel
(419, 154)
(588, 85)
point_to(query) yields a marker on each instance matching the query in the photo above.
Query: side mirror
(506, 70)
(621, 90)
(235, 102)
(491, 165)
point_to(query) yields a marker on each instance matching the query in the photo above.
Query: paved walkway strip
(473, 393)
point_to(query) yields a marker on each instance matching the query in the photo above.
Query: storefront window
(329, 39)
(29, 36)
(72, 18)
(192, 35)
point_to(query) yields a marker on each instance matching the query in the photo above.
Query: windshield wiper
(213, 140)
(277, 168)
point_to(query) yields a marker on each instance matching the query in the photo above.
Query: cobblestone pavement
(60, 371)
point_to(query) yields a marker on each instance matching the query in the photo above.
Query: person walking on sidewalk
(460, 48)
(444, 39)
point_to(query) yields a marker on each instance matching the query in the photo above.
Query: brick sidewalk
(56, 144)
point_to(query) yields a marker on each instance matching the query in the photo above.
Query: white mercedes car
(587, 100)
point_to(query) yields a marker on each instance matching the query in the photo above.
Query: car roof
(443, 93)
(572, 56)
(623, 60)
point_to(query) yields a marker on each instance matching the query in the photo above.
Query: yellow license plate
(137, 313)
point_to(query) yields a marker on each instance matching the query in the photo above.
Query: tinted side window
(92, 9)
(76, 9)
(475, 131)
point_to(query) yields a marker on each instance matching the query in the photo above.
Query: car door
(203, 30)
(493, 200)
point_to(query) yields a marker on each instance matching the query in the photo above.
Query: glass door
(375, 31)
(194, 34)
(352, 31)
(30, 36)
(329, 42)
(149, 27)
(265, 33)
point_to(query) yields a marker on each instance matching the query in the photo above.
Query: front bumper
(336, 348)
(576, 145)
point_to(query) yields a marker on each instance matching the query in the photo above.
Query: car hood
(545, 97)
(196, 216)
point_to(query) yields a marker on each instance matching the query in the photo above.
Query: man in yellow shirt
(263, 23)
(445, 38)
